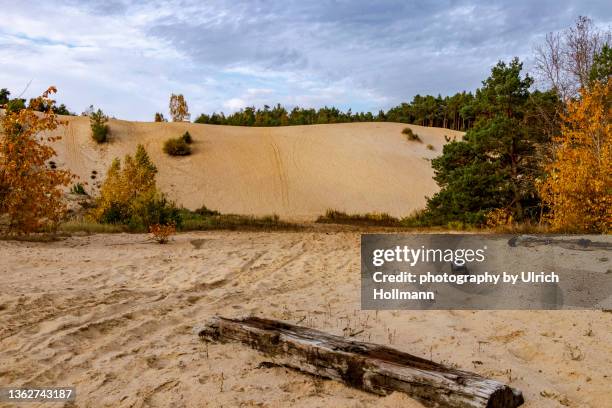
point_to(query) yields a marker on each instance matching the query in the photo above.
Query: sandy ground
(114, 315)
(297, 172)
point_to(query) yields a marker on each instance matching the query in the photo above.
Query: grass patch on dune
(200, 220)
(370, 219)
(91, 227)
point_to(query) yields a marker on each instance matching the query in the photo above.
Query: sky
(128, 56)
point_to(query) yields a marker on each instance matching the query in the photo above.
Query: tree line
(452, 112)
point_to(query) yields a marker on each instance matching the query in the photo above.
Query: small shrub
(78, 189)
(159, 117)
(99, 128)
(177, 147)
(410, 135)
(187, 138)
(150, 208)
(161, 233)
(430, 147)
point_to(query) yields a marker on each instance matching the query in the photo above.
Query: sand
(114, 315)
(297, 172)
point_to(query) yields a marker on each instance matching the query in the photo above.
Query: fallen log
(581, 244)
(367, 366)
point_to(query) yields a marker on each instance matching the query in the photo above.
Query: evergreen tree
(496, 165)
(601, 71)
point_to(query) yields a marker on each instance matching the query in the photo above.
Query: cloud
(128, 56)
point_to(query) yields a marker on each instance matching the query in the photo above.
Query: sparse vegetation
(90, 227)
(159, 117)
(410, 135)
(430, 147)
(177, 147)
(99, 128)
(212, 220)
(374, 219)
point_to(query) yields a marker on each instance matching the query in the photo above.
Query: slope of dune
(296, 172)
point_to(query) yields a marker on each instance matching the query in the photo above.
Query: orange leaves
(579, 184)
(30, 193)
(161, 233)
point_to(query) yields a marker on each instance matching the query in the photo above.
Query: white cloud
(234, 104)
(128, 56)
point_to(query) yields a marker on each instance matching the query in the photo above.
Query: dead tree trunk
(370, 367)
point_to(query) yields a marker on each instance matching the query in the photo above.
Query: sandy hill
(296, 172)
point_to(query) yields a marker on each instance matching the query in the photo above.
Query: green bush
(187, 138)
(149, 208)
(177, 147)
(410, 135)
(152, 208)
(99, 128)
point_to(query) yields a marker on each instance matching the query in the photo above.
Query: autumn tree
(578, 186)
(178, 108)
(31, 195)
(129, 195)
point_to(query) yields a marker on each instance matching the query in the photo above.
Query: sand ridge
(297, 172)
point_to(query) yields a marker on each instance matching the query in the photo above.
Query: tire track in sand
(281, 173)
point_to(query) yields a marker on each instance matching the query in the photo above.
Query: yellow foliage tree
(578, 188)
(124, 185)
(178, 108)
(30, 190)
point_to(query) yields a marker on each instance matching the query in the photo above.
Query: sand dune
(296, 172)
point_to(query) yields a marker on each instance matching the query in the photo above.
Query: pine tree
(496, 165)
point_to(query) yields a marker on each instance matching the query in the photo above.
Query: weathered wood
(370, 367)
(581, 244)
